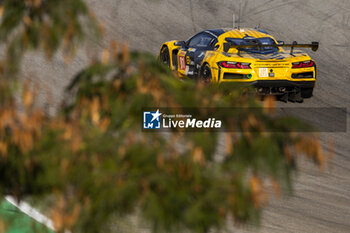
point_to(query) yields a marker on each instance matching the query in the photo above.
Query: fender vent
(235, 76)
(303, 75)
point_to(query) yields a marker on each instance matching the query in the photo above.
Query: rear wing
(314, 46)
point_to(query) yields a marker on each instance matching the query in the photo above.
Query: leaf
(105, 57)
(1, 11)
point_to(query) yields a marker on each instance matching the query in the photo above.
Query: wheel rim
(206, 76)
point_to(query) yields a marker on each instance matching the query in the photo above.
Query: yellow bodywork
(171, 46)
(281, 66)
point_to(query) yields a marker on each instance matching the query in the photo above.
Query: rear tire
(165, 56)
(307, 92)
(205, 74)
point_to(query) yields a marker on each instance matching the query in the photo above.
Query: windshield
(254, 41)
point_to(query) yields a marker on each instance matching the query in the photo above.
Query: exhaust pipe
(282, 89)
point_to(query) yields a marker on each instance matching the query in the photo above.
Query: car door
(191, 57)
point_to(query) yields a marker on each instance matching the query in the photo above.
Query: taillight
(304, 64)
(234, 65)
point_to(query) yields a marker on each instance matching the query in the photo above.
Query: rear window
(254, 41)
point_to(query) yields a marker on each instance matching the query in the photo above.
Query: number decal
(182, 63)
(263, 72)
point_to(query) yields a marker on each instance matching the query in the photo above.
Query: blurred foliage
(42, 24)
(94, 163)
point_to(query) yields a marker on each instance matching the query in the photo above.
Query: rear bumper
(297, 78)
(282, 83)
(275, 87)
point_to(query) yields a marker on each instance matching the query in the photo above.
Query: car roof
(217, 32)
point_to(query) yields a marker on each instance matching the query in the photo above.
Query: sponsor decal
(187, 70)
(188, 60)
(201, 55)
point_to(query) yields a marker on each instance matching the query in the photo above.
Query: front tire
(164, 56)
(307, 92)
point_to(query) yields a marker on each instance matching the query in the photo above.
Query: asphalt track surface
(321, 201)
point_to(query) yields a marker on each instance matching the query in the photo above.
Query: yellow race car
(244, 55)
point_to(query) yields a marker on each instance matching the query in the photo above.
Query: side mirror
(280, 42)
(180, 43)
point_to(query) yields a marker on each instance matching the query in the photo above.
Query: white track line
(31, 212)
